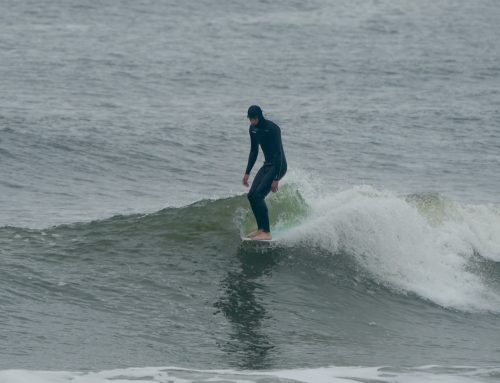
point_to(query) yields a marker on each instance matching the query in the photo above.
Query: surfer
(268, 135)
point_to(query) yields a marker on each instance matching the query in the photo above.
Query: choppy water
(123, 140)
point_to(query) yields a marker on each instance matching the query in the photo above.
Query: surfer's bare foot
(254, 233)
(263, 236)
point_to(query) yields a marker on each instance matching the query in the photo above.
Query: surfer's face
(254, 121)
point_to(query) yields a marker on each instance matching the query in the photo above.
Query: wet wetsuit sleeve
(278, 152)
(254, 151)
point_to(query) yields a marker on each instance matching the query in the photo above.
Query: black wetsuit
(268, 135)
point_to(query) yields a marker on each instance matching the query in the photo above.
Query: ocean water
(123, 141)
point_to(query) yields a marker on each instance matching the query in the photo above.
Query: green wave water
(177, 287)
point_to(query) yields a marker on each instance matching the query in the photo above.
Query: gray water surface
(115, 116)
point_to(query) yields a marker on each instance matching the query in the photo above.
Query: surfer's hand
(274, 186)
(245, 180)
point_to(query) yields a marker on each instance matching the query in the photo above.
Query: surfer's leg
(252, 198)
(261, 187)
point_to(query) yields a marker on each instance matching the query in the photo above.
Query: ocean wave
(426, 245)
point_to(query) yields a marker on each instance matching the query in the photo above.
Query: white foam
(478, 227)
(407, 249)
(430, 374)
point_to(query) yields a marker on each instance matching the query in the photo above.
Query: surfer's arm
(278, 153)
(254, 152)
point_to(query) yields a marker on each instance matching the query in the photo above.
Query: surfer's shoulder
(273, 126)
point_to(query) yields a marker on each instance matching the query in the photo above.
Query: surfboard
(276, 233)
(247, 239)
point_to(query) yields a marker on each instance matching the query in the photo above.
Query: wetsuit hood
(256, 112)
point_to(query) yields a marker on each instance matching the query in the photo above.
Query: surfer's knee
(252, 197)
(255, 196)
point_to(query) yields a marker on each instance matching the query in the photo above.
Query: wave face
(360, 276)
